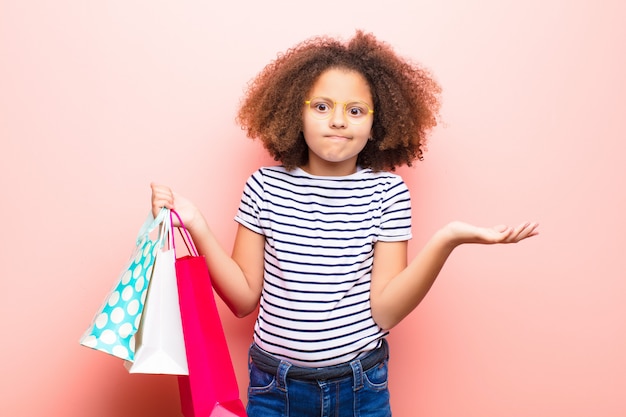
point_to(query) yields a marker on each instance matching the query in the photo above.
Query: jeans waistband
(269, 364)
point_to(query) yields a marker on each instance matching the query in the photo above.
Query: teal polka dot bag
(114, 326)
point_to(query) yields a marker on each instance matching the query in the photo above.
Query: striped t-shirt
(319, 245)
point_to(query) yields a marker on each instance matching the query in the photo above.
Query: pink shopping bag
(211, 388)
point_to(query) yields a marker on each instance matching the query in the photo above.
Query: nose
(338, 117)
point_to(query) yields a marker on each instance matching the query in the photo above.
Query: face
(335, 141)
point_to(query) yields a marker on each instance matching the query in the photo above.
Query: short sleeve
(250, 206)
(396, 212)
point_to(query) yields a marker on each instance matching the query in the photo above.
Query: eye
(321, 106)
(357, 110)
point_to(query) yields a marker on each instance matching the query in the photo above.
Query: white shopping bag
(160, 346)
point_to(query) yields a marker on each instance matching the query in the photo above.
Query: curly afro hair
(405, 96)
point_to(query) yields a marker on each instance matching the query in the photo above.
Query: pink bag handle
(186, 236)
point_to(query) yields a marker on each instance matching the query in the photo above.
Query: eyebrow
(342, 102)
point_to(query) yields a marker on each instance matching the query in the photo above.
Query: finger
(524, 231)
(532, 230)
(516, 232)
(163, 201)
(501, 228)
(162, 196)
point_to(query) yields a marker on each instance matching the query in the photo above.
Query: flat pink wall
(98, 98)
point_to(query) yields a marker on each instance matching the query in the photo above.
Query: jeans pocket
(265, 397)
(372, 400)
(260, 381)
(376, 378)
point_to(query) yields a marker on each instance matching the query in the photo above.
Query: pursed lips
(338, 137)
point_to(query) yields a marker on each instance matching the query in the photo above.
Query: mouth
(338, 137)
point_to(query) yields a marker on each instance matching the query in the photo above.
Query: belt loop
(281, 375)
(357, 374)
(385, 347)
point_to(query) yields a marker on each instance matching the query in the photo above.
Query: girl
(321, 245)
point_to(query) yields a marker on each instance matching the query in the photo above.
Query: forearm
(407, 289)
(396, 290)
(227, 277)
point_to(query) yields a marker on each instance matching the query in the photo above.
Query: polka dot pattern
(114, 326)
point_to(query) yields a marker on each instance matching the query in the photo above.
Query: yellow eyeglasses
(355, 111)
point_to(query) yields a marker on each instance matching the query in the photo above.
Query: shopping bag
(160, 348)
(114, 326)
(210, 389)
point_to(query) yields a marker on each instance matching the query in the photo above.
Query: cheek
(310, 125)
(366, 130)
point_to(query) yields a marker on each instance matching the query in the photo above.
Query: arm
(397, 288)
(238, 279)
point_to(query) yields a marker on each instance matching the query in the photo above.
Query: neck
(329, 169)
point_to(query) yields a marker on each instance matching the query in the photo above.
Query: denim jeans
(363, 394)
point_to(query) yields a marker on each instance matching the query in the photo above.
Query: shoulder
(275, 179)
(271, 174)
(386, 180)
(272, 171)
(384, 176)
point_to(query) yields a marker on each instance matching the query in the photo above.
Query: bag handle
(164, 230)
(186, 236)
(150, 224)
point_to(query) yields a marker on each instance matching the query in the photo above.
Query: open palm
(467, 233)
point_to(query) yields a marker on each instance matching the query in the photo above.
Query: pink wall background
(98, 98)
